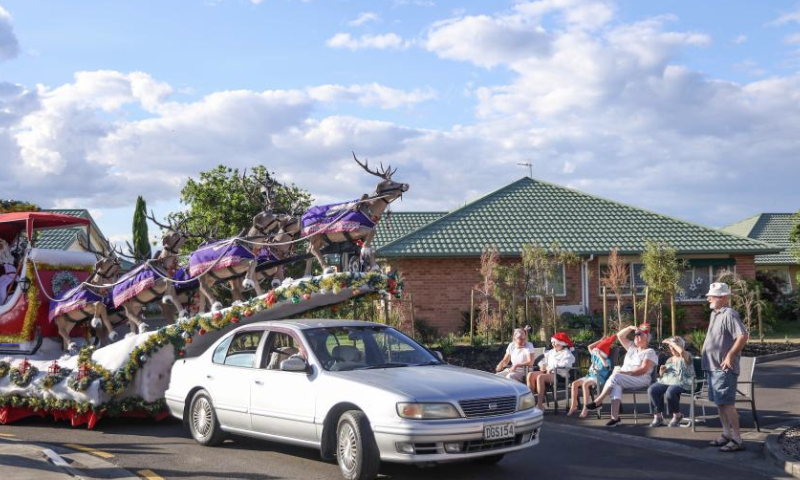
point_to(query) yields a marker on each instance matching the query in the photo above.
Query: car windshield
(368, 347)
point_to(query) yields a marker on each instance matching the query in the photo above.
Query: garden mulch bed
(486, 357)
(790, 442)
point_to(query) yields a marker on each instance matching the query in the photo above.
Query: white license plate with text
(498, 431)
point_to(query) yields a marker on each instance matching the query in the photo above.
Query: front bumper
(428, 438)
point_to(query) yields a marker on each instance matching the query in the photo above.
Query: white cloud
(793, 39)
(739, 39)
(786, 18)
(9, 46)
(363, 18)
(370, 95)
(378, 42)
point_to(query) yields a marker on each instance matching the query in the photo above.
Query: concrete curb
(744, 460)
(778, 356)
(775, 454)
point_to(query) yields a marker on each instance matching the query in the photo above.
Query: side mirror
(438, 355)
(294, 364)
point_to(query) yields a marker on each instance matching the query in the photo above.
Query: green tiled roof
(62, 238)
(399, 224)
(532, 211)
(772, 228)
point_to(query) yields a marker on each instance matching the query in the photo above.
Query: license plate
(498, 430)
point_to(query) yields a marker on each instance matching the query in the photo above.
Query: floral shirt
(677, 373)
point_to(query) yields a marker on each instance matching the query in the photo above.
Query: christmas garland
(51, 379)
(110, 408)
(74, 268)
(22, 379)
(60, 278)
(4, 368)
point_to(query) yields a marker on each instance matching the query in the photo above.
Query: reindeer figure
(227, 260)
(150, 279)
(279, 247)
(351, 221)
(85, 302)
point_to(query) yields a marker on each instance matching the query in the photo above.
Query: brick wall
(440, 289)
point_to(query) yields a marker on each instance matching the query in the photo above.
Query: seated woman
(675, 377)
(7, 270)
(598, 373)
(559, 357)
(635, 371)
(520, 354)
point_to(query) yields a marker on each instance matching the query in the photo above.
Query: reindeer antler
(119, 253)
(152, 218)
(384, 173)
(267, 186)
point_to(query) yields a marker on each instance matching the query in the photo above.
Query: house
(773, 228)
(439, 261)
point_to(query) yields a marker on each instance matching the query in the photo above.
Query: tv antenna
(529, 165)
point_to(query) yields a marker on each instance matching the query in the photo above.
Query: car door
(283, 403)
(230, 376)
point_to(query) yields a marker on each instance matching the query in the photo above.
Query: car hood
(437, 382)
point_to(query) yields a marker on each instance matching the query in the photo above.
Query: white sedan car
(357, 391)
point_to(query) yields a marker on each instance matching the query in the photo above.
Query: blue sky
(684, 108)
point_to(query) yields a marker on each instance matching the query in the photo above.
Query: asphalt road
(165, 448)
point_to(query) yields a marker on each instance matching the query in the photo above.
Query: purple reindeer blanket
(72, 300)
(335, 218)
(182, 275)
(219, 255)
(133, 283)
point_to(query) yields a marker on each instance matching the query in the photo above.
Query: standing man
(725, 340)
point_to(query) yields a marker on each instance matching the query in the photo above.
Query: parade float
(86, 372)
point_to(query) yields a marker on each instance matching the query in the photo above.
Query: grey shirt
(723, 330)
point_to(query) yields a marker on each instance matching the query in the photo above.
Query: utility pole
(530, 167)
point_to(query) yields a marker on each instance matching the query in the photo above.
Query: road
(165, 448)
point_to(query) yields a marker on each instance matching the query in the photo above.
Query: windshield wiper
(385, 365)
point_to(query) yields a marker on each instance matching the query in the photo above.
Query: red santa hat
(643, 328)
(604, 346)
(562, 339)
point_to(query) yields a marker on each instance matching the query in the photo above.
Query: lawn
(784, 330)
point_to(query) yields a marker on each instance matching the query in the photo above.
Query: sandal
(733, 446)
(721, 441)
(584, 414)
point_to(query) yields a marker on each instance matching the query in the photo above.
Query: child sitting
(598, 373)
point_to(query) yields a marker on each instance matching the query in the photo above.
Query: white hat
(719, 290)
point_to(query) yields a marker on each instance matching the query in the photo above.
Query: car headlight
(527, 401)
(427, 411)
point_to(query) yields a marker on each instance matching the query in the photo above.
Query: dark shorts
(722, 387)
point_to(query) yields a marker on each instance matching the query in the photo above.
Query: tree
(217, 202)
(10, 206)
(540, 266)
(508, 285)
(141, 242)
(794, 239)
(489, 260)
(744, 296)
(662, 273)
(616, 278)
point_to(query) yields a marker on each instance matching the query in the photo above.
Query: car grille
(485, 445)
(488, 407)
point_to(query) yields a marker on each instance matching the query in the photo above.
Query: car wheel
(490, 460)
(203, 421)
(356, 451)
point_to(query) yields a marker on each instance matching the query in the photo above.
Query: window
(281, 346)
(634, 280)
(221, 350)
(556, 284)
(782, 274)
(242, 350)
(695, 283)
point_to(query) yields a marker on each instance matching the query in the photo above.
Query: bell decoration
(54, 368)
(189, 340)
(295, 299)
(234, 319)
(306, 296)
(248, 313)
(143, 358)
(202, 331)
(217, 316)
(181, 353)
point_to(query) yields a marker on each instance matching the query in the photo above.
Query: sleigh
(39, 276)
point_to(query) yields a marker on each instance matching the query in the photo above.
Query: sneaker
(659, 422)
(592, 406)
(613, 422)
(676, 421)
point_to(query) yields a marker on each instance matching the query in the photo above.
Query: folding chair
(745, 391)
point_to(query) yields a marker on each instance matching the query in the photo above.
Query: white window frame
(788, 287)
(563, 284)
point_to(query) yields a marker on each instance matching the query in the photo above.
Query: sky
(689, 109)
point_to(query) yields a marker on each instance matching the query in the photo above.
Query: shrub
(582, 322)
(478, 341)
(424, 332)
(584, 336)
(447, 344)
(697, 338)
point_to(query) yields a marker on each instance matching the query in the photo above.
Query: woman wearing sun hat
(635, 372)
(559, 357)
(675, 378)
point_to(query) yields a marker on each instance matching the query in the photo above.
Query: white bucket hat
(719, 290)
